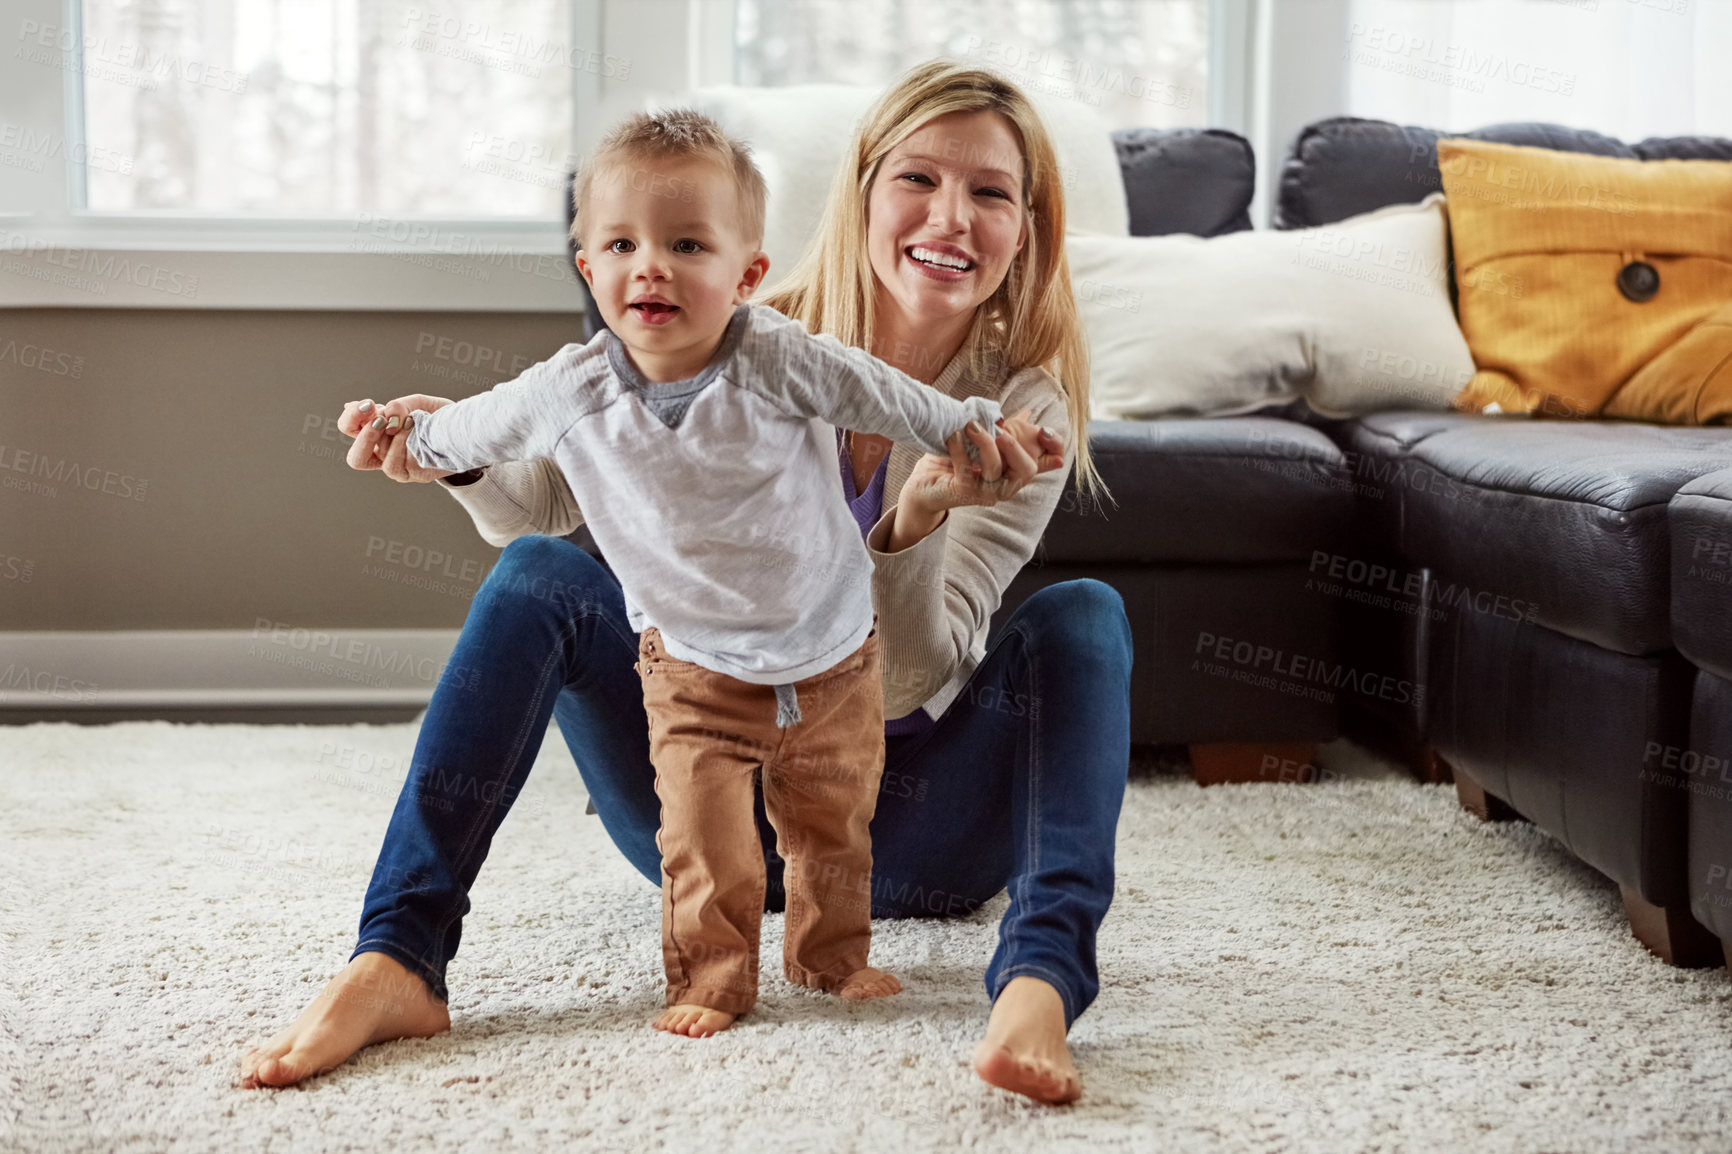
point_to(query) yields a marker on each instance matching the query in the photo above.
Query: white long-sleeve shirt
(716, 500)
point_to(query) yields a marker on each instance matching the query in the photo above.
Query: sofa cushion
(1392, 435)
(1567, 517)
(1375, 449)
(1245, 489)
(1684, 148)
(1593, 285)
(1346, 165)
(1355, 317)
(1701, 531)
(1195, 180)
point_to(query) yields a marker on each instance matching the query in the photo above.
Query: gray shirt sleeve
(517, 420)
(819, 376)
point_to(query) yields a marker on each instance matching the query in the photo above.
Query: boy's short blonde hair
(675, 133)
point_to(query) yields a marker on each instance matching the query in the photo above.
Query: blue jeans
(1018, 784)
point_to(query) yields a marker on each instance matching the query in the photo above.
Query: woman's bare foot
(864, 985)
(693, 1021)
(1024, 1049)
(374, 999)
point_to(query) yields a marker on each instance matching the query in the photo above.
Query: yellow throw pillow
(1592, 285)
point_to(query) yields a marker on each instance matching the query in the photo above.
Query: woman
(942, 253)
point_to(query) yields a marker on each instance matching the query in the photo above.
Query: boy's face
(665, 260)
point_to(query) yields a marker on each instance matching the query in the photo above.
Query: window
(1627, 68)
(371, 154)
(1137, 62)
(325, 107)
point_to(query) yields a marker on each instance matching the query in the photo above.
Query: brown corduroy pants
(709, 735)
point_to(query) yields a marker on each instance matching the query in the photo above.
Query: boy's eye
(620, 246)
(687, 247)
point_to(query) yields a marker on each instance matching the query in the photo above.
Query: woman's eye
(687, 247)
(998, 192)
(620, 246)
(917, 176)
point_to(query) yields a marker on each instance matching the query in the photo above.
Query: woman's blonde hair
(1030, 319)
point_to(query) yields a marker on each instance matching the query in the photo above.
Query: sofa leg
(1433, 769)
(1229, 764)
(1483, 805)
(1673, 935)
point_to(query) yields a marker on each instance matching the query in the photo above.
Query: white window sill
(364, 263)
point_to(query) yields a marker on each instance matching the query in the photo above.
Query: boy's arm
(819, 376)
(516, 420)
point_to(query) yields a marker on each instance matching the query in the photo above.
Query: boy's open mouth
(654, 312)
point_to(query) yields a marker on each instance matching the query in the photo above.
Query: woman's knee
(1083, 612)
(546, 572)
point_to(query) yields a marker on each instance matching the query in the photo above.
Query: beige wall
(178, 469)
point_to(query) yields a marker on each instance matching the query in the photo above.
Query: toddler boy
(697, 439)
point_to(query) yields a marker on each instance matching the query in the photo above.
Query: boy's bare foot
(693, 1021)
(374, 999)
(1024, 1049)
(863, 985)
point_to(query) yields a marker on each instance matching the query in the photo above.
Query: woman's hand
(380, 437)
(1010, 458)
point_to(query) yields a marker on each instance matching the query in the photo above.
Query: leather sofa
(1554, 591)
(1537, 610)
(1558, 677)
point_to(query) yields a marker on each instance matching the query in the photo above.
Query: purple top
(867, 507)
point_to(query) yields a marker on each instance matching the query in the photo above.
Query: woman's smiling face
(945, 217)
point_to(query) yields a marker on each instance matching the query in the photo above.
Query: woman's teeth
(939, 259)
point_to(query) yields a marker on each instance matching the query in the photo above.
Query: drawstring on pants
(787, 706)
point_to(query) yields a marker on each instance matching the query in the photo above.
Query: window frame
(252, 262)
(291, 262)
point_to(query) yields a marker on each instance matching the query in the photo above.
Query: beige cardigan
(934, 599)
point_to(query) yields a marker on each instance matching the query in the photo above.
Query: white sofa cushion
(1354, 317)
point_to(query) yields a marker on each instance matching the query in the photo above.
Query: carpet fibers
(1350, 966)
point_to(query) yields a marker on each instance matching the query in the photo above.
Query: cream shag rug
(1357, 965)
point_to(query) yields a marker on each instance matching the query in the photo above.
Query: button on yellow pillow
(1592, 285)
